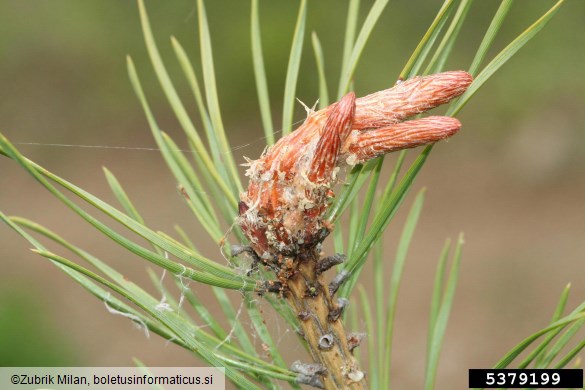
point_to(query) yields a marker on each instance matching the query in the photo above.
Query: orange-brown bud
(361, 146)
(409, 98)
(290, 184)
(333, 135)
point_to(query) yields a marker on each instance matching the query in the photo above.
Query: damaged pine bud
(282, 212)
(291, 183)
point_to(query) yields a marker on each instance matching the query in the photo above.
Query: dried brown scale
(335, 312)
(337, 281)
(290, 187)
(328, 262)
(354, 340)
(304, 315)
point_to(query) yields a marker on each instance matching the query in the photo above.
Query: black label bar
(533, 378)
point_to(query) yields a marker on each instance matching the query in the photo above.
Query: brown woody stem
(309, 297)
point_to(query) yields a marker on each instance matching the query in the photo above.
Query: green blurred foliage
(27, 339)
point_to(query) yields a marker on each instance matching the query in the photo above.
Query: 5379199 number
(510, 378)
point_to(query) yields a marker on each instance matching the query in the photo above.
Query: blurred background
(512, 180)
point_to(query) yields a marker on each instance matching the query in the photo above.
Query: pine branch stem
(309, 296)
